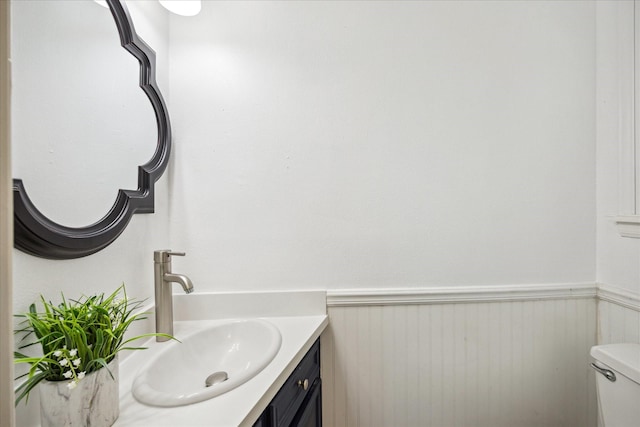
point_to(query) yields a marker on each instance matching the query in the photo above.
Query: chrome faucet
(163, 279)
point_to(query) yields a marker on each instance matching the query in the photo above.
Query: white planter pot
(94, 402)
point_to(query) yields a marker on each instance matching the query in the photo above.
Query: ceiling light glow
(182, 7)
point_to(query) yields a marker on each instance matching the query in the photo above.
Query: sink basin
(207, 363)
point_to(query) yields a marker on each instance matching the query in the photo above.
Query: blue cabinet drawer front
(285, 405)
(310, 414)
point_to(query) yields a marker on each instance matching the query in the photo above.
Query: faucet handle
(164, 254)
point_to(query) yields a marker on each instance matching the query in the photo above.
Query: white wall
(401, 145)
(384, 144)
(618, 258)
(369, 145)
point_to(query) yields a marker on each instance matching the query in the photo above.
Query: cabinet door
(299, 401)
(310, 413)
(295, 391)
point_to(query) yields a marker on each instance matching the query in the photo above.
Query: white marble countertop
(238, 407)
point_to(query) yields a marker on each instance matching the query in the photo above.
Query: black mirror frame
(37, 235)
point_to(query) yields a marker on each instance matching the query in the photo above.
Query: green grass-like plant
(77, 337)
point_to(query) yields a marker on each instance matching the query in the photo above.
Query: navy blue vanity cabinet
(299, 401)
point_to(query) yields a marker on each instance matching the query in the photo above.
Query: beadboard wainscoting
(494, 356)
(618, 315)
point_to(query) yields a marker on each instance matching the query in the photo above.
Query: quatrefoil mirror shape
(36, 234)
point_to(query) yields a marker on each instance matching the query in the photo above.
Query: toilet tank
(619, 400)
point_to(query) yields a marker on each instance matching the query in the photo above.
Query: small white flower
(73, 352)
(76, 362)
(81, 375)
(57, 353)
(67, 374)
(64, 362)
(72, 385)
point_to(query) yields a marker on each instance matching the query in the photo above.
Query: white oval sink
(178, 374)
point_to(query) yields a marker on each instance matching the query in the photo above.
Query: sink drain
(216, 378)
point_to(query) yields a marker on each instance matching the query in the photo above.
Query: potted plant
(78, 369)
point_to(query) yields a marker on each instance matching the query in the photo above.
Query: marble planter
(94, 402)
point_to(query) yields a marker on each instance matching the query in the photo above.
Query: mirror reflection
(73, 153)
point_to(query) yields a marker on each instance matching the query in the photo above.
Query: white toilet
(618, 383)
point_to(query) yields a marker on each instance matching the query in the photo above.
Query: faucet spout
(184, 281)
(164, 297)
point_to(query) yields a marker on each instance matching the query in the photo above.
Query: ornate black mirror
(35, 233)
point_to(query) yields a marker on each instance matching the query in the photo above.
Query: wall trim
(619, 296)
(459, 294)
(629, 225)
